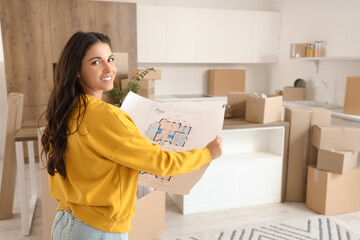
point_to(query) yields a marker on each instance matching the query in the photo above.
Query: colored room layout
(165, 131)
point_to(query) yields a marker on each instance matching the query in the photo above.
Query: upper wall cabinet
(195, 35)
(210, 38)
(181, 34)
(151, 33)
(266, 37)
(239, 36)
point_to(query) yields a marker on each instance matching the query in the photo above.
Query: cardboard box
(146, 87)
(122, 64)
(336, 138)
(151, 75)
(331, 193)
(299, 120)
(301, 151)
(220, 82)
(320, 117)
(263, 110)
(149, 218)
(336, 161)
(298, 49)
(352, 96)
(294, 93)
(238, 100)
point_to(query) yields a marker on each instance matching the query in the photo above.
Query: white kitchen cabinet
(266, 37)
(239, 36)
(151, 33)
(197, 35)
(248, 173)
(181, 27)
(210, 39)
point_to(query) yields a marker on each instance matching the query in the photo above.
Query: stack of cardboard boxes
(332, 181)
(333, 171)
(300, 151)
(146, 84)
(322, 162)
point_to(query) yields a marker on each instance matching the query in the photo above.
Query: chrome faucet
(317, 84)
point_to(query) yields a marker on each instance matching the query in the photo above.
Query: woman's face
(97, 70)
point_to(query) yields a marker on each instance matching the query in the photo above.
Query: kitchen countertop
(338, 113)
(188, 97)
(234, 123)
(336, 110)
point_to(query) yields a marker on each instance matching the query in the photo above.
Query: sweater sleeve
(143, 155)
(133, 150)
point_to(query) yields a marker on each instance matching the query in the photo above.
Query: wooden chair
(15, 137)
(14, 120)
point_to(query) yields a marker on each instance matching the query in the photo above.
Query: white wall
(3, 99)
(337, 23)
(192, 78)
(266, 5)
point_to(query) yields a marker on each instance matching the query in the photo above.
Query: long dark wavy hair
(66, 94)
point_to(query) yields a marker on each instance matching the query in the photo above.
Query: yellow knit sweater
(103, 159)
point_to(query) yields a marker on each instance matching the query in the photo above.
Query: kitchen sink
(311, 103)
(200, 95)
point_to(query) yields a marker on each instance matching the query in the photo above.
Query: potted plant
(117, 95)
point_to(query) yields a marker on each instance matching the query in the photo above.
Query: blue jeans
(68, 227)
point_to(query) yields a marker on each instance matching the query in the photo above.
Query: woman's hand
(215, 147)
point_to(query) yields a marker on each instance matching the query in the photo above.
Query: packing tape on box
(316, 175)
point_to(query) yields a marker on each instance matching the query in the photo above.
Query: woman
(95, 151)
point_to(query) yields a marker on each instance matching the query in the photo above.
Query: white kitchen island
(251, 171)
(197, 101)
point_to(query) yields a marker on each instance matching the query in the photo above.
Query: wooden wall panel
(34, 33)
(66, 18)
(26, 41)
(118, 21)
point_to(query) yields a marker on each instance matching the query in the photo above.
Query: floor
(178, 223)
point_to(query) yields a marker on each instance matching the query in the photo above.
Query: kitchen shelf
(246, 156)
(250, 172)
(316, 60)
(328, 58)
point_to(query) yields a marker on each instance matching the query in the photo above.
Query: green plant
(116, 95)
(140, 74)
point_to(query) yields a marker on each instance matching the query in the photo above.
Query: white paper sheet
(173, 128)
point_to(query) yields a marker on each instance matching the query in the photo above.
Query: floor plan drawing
(174, 128)
(170, 128)
(166, 131)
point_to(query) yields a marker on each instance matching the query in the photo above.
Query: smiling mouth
(106, 79)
